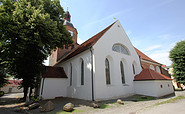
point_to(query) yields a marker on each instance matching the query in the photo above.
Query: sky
(153, 26)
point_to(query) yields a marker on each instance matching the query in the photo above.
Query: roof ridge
(104, 30)
(87, 44)
(147, 58)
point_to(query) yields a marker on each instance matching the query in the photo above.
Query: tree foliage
(177, 56)
(3, 77)
(29, 30)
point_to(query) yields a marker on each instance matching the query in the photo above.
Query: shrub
(1, 93)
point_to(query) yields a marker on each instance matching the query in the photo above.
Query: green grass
(147, 98)
(107, 104)
(74, 112)
(171, 100)
(103, 106)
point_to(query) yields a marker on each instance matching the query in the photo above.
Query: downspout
(92, 74)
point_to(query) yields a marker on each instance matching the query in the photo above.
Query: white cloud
(162, 57)
(79, 41)
(152, 47)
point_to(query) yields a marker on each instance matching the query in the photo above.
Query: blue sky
(153, 26)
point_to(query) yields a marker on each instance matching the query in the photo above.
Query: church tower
(59, 53)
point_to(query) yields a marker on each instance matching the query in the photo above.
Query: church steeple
(67, 19)
(67, 16)
(56, 55)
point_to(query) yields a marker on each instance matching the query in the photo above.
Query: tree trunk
(25, 92)
(31, 91)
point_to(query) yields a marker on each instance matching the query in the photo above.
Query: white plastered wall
(103, 50)
(11, 89)
(53, 87)
(153, 87)
(77, 90)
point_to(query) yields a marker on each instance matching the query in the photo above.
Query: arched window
(122, 72)
(71, 74)
(152, 67)
(82, 72)
(107, 71)
(158, 70)
(120, 49)
(133, 68)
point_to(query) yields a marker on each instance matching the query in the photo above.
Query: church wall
(103, 50)
(54, 87)
(155, 88)
(76, 90)
(146, 65)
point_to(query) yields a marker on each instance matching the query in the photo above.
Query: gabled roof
(86, 45)
(53, 72)
(144, 57)
(148, 74)
(14, 82)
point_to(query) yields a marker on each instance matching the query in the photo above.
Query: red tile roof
(145, 57)
(86, 45)
(14, 82)
(53, 72)
(148, 74)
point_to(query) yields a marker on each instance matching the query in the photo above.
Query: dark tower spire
(67, 19)
(67, 16)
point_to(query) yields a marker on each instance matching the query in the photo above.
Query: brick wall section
(146, 65)
(165, 72)
(56, 55)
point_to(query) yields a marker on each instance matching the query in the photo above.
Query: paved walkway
(12, 95)
(169, 108)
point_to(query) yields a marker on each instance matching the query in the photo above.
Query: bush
(1, 93)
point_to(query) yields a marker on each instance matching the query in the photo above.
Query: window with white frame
(107, 71)
(71, 74)
(82, 72)
(152, 67)
(120, 49)
(122, 72)
(158, 69)
(133, 68)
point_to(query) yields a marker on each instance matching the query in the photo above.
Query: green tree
(29, 30)
(177, 56)
(3, 77)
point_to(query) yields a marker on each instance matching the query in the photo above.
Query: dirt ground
(9, 102)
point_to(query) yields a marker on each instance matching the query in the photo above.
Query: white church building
(105, 66)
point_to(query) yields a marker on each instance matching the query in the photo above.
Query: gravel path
(8, 103)
(142, 107)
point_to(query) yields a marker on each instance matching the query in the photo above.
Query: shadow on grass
(72, 112)
(8, 101)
